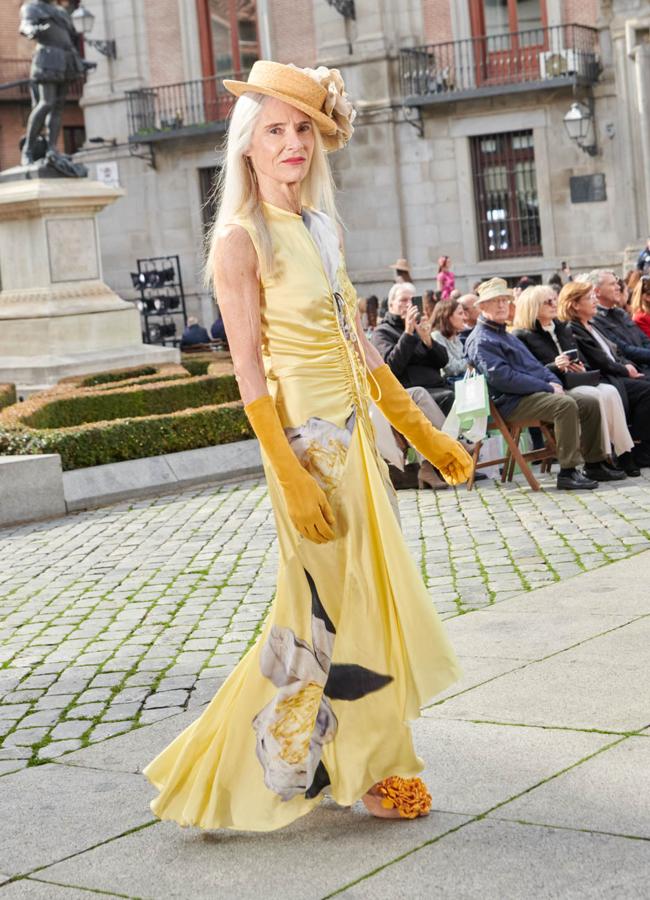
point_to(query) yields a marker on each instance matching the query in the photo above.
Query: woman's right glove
(307, 504)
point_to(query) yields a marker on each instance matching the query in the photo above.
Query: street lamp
(83, 21)
(579, 122)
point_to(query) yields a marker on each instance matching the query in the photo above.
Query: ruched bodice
(307, 315)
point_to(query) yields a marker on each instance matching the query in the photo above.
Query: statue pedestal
(57, 317)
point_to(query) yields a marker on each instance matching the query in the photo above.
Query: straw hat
(401, 264)
(320, 93)
(495, 287)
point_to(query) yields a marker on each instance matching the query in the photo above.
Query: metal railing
(15, 81)
(170, 110)
(512, 61)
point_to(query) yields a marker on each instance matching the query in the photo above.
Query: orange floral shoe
(398, 798)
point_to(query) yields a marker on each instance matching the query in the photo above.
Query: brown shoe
(430, 477)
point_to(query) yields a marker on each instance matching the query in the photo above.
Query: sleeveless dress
(352, 646)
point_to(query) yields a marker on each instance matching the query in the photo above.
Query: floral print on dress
(322, 448)
(292, 729)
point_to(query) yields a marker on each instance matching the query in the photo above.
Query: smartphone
(572, 354)
(417, 301)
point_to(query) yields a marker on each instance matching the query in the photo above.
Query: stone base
(31, 488)
(32, 373)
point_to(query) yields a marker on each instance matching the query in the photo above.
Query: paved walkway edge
(99, 486)
(46, 497)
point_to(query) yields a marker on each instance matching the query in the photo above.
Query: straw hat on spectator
(401, 264)
(489, 290)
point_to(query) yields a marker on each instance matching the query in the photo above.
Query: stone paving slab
(608, 792)
(505, 861)
(465, 768)
(477, 670)
(29, 889)
(304, 861)
(560, 692)
(57, 811)
(502, 632)
(131, 752)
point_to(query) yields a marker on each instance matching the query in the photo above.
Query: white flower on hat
(337, 103)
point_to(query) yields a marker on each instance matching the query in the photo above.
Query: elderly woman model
(352, 647)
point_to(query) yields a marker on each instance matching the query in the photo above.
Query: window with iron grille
(505, 193)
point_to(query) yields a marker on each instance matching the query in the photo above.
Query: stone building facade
(460, 146)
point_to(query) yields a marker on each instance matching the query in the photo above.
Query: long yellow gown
(352, 647)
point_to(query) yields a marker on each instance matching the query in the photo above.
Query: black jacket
(595, 357)
(617, 326)
(409, 358)
(541, 344)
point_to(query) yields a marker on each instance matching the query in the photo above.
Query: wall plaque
(72, 249)
(588, 188)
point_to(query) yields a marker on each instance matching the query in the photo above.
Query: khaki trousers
(576, 422)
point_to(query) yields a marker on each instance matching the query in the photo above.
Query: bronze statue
(55, 64)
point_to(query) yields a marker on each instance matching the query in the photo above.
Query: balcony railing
(14, 82)
(515, 61)
(177, 110)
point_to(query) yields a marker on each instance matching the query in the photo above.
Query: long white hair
(237, 191)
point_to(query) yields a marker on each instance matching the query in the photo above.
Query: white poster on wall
(108, 173)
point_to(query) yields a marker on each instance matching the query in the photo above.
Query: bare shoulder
(234, 241)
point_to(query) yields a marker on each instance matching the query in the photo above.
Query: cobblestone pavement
(116, 618)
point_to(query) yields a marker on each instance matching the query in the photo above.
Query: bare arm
(237, 286)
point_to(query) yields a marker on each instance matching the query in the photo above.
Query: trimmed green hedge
(7, 395)
(197, 365)
(122, 375)
(97, 444)
(135, 401)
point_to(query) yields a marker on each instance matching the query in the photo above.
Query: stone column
(638, 48)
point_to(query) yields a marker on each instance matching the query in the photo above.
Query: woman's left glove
(448, 456)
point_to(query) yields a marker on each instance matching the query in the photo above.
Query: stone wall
(437, 21)
(163, 25)
(580, 12)
(292, 31)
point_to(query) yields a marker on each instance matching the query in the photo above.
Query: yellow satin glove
(448, 456)
(307, 505)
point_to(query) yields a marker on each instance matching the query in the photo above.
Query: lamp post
(84, 21)
(579, 123)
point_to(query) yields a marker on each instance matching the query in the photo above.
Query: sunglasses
(552, 301)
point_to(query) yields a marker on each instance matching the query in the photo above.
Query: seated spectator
(643, 262)
(577, 305)
(471, 310)
(537, 326)
(523, 389)
(405, 343)
(641, 304)
(448, 324)
(372, 310)
(614, 323)
(194, 333)
(429, 301)
(218, 331)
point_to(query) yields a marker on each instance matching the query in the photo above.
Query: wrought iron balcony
(179, 110)
(516, 61)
